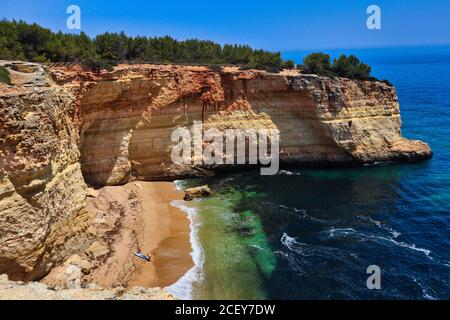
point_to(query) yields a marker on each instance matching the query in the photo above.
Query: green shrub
(4, 76)
(347, 67)
(263, 60)
(97, 65)
(30, 42)
(351, 67)
(272, 68)
(216, 68)
(246, 67)
(318, 63)
(288, 64)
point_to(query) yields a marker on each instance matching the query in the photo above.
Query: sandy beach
(136, 216)
(164, 235)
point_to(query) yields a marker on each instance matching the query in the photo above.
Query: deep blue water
(326, 226)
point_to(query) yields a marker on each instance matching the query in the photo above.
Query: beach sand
(164, 235)
(127, 218)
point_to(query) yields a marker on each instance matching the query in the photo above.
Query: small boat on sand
(143, 256)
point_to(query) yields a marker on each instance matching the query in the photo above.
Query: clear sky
(273, 25)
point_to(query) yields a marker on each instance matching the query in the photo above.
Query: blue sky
(273, 25)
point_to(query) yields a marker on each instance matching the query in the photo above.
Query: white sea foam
(409, 246)
(376, 163)
(289, 242)
(394, 233)
(293, 245)
(283, 254)
(178, 185)
(425, 294)
(347, 231)
(258, 247)
(183, 288)
(303, 211)
(289, 173)
(401, 244)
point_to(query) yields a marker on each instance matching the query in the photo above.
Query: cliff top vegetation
(4, 76)
(31, 42)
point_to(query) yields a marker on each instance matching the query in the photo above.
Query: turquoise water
(311, 234)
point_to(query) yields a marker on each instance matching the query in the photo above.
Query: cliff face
(64, 126)
(127, 117)
(42, 191)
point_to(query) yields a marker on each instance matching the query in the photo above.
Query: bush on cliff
(347, 67)
(351, 67)
(97, 65)
(216, 68)
(318, 63)
(4, 76)
(288, 64)
(263, 60)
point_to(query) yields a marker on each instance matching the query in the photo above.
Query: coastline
(183, 288)
(165, 235)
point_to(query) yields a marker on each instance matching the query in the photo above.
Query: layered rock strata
(42, 190)
(128, 116)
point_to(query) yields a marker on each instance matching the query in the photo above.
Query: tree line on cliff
(31, 42)
(346, 67)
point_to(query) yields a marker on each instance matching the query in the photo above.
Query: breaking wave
(334, 232)
(183, 288)
(288, 173)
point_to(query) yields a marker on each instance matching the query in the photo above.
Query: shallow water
(311, 234)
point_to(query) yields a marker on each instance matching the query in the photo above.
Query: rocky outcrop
(42, 191)
(197, 192)
(62, 126)
(361, 119)
(10, 290)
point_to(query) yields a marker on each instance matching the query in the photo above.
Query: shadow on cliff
(108, 122)
(13, 269)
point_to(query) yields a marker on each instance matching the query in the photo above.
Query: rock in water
(197, 192)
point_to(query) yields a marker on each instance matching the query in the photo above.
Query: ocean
(312, 233)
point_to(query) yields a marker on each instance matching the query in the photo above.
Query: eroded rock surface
(42, 190)
(10, 290)
(128, 116)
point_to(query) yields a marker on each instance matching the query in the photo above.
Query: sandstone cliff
(62, 127)
(127, 117)
(42, 191)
